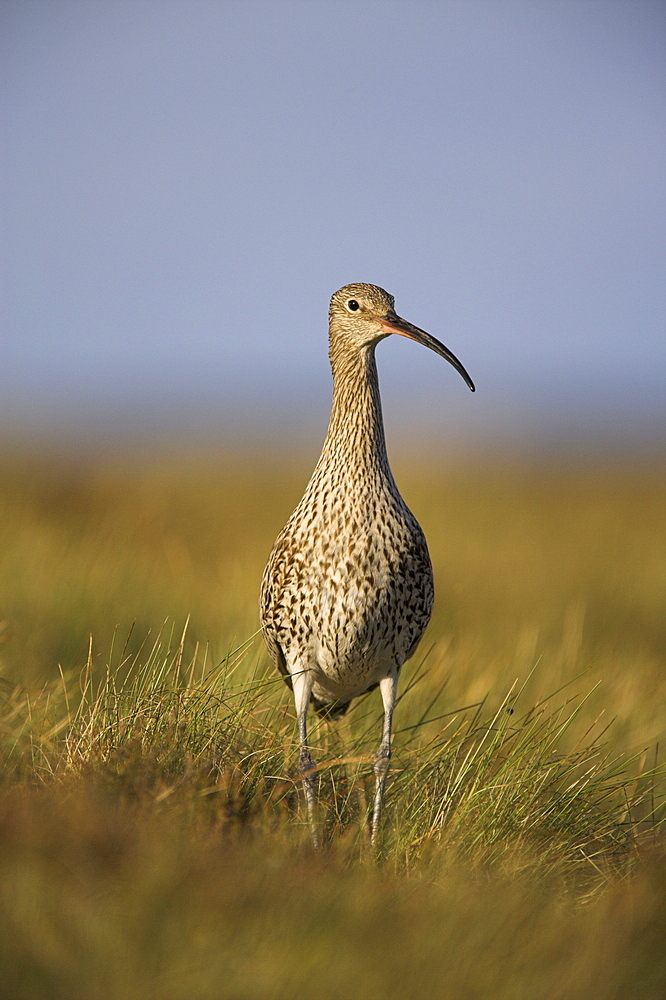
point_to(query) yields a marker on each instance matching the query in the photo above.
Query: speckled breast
(346, 598)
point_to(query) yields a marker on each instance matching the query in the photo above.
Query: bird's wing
(268, 602)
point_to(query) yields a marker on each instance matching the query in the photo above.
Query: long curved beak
(396, 324)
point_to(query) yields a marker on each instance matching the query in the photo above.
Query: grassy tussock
(490, 787)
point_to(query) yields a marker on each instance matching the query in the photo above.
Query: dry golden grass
(151, 827)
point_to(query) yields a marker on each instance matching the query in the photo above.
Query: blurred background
(185, 184)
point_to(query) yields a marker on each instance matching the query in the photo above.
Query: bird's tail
(330, 709)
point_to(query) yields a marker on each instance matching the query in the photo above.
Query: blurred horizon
(185, 185)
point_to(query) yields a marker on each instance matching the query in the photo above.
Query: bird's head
(361, 315)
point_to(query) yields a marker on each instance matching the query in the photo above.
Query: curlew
(348, 589)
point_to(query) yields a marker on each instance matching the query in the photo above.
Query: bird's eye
(353, 305)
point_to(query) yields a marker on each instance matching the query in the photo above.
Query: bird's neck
(355, 435)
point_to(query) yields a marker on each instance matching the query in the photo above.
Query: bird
(348, 591)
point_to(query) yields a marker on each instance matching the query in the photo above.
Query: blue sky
(184, 184)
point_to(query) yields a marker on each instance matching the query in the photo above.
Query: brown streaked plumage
(348, 591)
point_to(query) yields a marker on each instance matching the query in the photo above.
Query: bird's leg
(302, 684)
(389, 688)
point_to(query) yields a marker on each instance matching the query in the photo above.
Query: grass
(153, 841)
